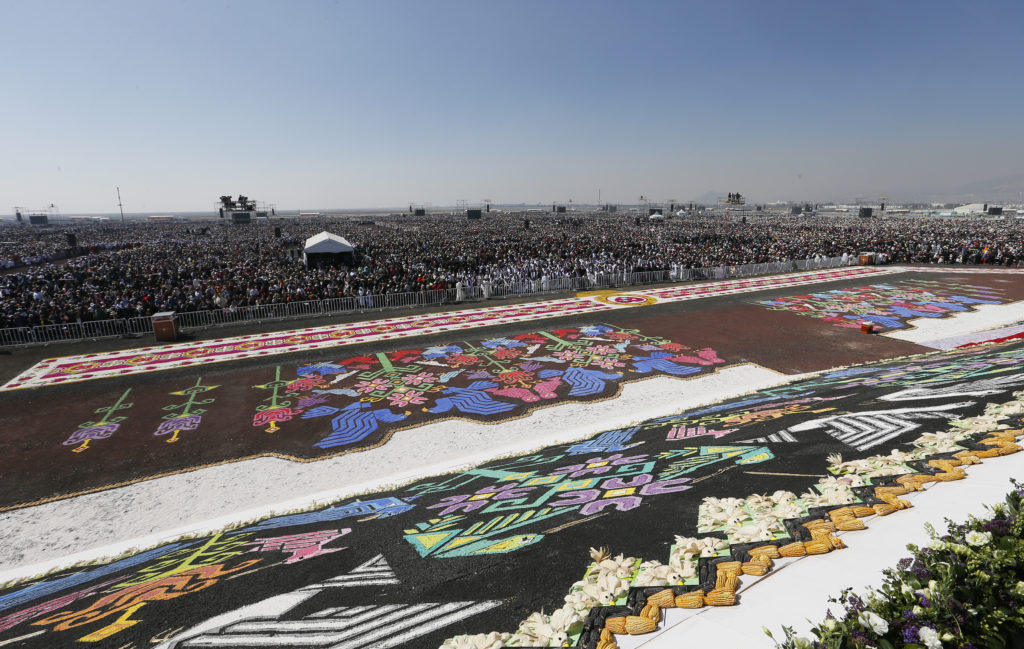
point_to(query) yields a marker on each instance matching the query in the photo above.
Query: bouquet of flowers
(964, 589)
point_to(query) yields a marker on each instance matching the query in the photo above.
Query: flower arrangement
(964, 589)
(759, 517)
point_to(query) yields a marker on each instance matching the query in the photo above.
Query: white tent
(326, 243)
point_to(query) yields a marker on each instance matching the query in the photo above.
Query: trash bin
(165, 326)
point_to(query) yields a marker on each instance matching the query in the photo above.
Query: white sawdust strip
(979, 337)
(933, 330)
(107, 524)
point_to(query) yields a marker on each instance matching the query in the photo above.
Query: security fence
(43, 334)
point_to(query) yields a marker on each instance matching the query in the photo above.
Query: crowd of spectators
(139, 268)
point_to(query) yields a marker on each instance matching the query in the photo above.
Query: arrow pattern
(865, 430)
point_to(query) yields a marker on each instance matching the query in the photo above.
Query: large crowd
(134, 269)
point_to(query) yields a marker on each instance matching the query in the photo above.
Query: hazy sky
(378, 103)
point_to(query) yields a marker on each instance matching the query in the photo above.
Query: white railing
(42, 334)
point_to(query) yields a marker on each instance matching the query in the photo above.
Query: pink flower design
(307, 383)
(417, 379)
(373, 386)
(568, 355)
(602, 350)
(607, 363)
(403, 397)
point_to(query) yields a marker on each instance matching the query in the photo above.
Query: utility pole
(121, 207)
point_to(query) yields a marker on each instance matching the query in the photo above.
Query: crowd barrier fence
(193, 320)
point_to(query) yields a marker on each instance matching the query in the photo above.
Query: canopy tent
(327, 247)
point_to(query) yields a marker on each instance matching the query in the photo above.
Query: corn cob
(770, 551)
(817, 547)
(637, 625)
(852, 524)
(726, 581)
(728, 566)
(693, 599)
(793, 550)
(607, 640)
(721, 598)
(840, 513)
(663, 598)
(884, 509)
(967, 457)
(755, 568)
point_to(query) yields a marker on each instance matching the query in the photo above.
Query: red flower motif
(618, 335)
(673, 347)
(508, 378)
(504, 353)
(277, 414)
(459, 360)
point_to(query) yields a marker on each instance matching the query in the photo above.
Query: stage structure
(245, 209)
(476, 211)
(733, 200)
(418, 209)
(40, 217)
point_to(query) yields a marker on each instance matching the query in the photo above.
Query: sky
(383, 103)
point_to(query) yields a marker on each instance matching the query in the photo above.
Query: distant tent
(328, 247)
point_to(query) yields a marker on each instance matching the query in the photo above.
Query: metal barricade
(18, 336)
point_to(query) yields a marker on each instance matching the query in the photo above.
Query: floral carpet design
(502, 545)
(497, 378)
(86, 367)
(887, 306)
(318, 409)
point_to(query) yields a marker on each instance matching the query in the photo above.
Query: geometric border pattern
(85, 367)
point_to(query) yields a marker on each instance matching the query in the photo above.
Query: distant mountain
(1006, 188)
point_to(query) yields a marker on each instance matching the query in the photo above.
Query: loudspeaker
(865, 212)
(222, 212)
(72, 240)
(277, 232)
(18, 214)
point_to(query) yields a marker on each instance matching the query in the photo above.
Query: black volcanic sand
(37, 422)
(513, 532)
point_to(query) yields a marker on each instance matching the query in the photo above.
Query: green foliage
(964, 589)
